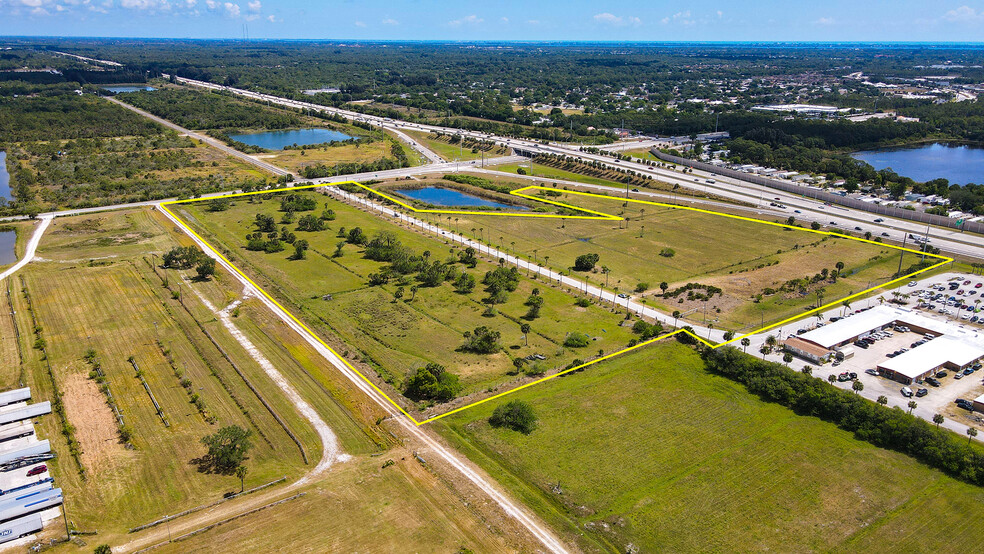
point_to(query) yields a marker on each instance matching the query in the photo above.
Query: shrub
(432, 383)
(482, 341)
(667, 252)
(576, 340)
(586, 262)
(516, 415)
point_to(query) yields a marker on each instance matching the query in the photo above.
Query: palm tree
(787, 358)
(771, 342)
(764, 350)
(413, 292)
(676, 316)
(847, 305)
(807, 370)
(241, 473)
(606, 271)
(744, 342)
(525, 329)
(912, 405)
(883, 400)
(971, 433)
(938, 419)
(831, 378)
(858, 386)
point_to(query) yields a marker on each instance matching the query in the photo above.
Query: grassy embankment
(653, 451)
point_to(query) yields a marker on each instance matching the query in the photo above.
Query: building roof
(932, 355)
(845, 329)
(808, 347)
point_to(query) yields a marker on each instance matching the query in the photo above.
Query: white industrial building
(945, 352)
(954, 348)
(28, 497)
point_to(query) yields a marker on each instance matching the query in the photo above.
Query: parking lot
(937, 400)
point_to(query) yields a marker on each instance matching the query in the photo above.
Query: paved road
(810, 210)
(214, 143)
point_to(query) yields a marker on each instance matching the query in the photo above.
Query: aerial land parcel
(97, 289)
(403, 319)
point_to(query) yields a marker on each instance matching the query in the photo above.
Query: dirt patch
(95, 426)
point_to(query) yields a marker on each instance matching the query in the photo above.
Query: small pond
(8, 247)
(128, 88)
(277, 140)
(4, 177)
(439, 196)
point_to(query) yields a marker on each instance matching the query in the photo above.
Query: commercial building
(922, 361)
(953, 348)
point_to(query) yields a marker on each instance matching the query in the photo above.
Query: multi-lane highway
(800, 207)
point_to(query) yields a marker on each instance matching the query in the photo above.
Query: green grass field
(743, 258)
(449, 151)
(116, 304)
(397, 336)
(651, 450)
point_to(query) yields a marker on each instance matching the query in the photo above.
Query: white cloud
(32, 3)
(612, 19)
(273, 19)
(138, 4)
(390, 21)
(504, 19)
(681, 18)
(360, 24)
(231, 10)
(964, 14)
(720, 14)
(825, 21)
(470, 20)
(532, 21)
(254, 6)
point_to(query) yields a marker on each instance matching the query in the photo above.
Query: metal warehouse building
(941, 353)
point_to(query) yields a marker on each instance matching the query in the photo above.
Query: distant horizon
(502, 41)
(770, 21)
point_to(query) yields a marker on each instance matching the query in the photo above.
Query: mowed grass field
(297, 160)
(397, 336)
(117, 305)
(450, 151)
(652, 451)
(360, 507)
(741, 257)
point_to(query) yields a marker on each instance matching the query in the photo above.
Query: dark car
(871, 372)
(941, 374)
(857, 228)
(932, 381)
(921, 393)
(965, 404)
(37, 470)
(844, 377)
(853, 376)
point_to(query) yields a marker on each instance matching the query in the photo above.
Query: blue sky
(767, 20)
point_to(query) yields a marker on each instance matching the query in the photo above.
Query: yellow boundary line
(596, 216)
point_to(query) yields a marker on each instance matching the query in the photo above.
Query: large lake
(127, 88)
(438, 196)
(4, 177)
(958, 164)
(277, 140)
(8, 247)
